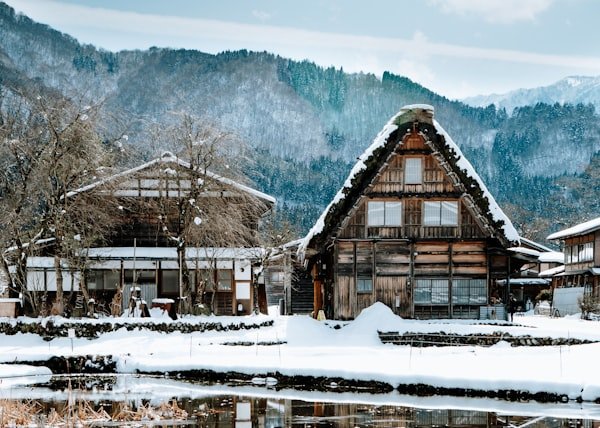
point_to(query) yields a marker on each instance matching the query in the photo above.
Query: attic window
(384, 213)
(413, 171)
(440, 213)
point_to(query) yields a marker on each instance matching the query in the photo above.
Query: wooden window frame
(385, 211)
(440, 213)
(406, 171)
(364, 280)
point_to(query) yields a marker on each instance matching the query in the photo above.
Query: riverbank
(344, 356)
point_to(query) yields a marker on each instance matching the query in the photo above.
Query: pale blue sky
(454, 47)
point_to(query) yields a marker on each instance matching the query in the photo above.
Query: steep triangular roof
(169, 159)
(457, 167)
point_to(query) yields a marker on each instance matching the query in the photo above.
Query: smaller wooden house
(581, 247)
(531, 279)
(413, 227)
(140, 256)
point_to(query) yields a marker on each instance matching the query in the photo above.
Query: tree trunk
(58, 306)
(186, 304)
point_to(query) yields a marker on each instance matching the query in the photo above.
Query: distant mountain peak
(571, 90)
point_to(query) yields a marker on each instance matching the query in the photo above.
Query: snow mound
(306, 331)
(377, 317)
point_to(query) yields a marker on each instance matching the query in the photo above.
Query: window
(413, 173)
(465, 291)
(440, 213)
(277, 276)
(170, 282)
(388, 213)
(469, 291)
(203, 279)
(431, 291)
(580, 253)
(103, 280)
(364, 285)
(224, 280)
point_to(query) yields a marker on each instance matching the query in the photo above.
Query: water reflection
(219, 406)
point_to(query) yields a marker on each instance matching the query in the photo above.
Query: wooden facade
(140, 254)
(412, 233)
(581, 246)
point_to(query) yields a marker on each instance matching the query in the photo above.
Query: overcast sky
(457, 48)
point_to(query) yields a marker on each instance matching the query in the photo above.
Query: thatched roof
(457, 167)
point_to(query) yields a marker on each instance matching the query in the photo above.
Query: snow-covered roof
(552, 257)
(578, 229)
(170, 158)
(525, 281)
(526, 251)
(534, 245)
(424, 111)
(170, 253)
(497, 214)
(154, 253)
(551, 272)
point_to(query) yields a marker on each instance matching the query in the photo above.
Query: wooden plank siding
(402, 256)
(580, 240)
(394, 264)
(412, 224)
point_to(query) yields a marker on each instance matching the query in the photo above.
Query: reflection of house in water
(232, 411)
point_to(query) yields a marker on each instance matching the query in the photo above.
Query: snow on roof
(578, 229)
(535, 245)
(428, 108)
(170, 158)
(497, 214)
(551, 272)
(164, 253)
(552, 257)
(341, 194)
(525, 281)
(526, 251)
(379, 141)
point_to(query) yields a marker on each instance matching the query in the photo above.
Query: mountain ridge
(569, 90)
(305, 123)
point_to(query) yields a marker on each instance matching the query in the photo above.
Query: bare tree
(49, 147)
(209, 210)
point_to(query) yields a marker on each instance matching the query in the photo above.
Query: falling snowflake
(197, 221)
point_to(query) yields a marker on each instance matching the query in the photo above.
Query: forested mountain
(307, 124)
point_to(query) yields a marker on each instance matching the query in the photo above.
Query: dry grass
(81, 413)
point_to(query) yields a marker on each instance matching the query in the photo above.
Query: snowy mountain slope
(572, 90)
(306, 124)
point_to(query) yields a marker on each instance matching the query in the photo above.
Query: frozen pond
(205, 405)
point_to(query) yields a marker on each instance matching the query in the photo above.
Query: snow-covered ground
(353, 351)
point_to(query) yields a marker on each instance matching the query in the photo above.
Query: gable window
(440, 213)
(384, 213)
(413, 171)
